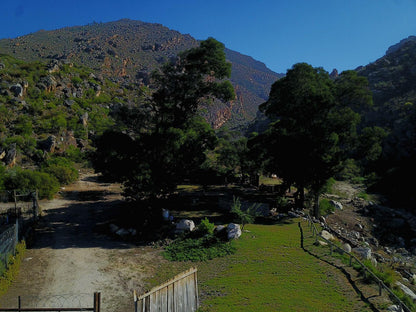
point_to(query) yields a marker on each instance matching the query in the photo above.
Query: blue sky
(340, 34)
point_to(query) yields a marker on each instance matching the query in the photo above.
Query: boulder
(233, 231)
(185, 225)
(363, 252)
(346, 247)
(47, 83)
(328, 236)
(113, 228)
(2, 153)
(2, 66)
(336, 204)
(84, 119)
(122, 232)
(17, 90)
(395, 308)
(219, 228)
(407, 291)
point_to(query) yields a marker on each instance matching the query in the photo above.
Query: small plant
(243, 217)
(206, 227)
(325, 207)
(13, 267)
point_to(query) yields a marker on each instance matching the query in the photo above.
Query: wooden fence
(179, 294)
(352, 257)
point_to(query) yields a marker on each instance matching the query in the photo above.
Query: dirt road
(70, 259)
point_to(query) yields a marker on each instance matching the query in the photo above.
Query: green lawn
(270, 272)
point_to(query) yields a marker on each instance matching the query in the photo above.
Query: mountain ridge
(128, 50)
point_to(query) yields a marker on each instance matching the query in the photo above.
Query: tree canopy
(314, 126)
(166, 139)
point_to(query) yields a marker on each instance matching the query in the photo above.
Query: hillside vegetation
(128, 51)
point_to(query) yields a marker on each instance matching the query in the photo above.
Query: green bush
(206, 227)
(200, 249)
(27, 180)
(62, 169)
(325, 207)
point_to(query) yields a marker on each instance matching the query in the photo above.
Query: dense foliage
(165, 142)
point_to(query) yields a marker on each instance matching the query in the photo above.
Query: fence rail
(179, 294)
(95, 308)
(334, 247)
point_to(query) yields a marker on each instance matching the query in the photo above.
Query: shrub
(206, 227)
(27, 180)
(200, 249)
(325, 207)
(62, 169)
(243, 217)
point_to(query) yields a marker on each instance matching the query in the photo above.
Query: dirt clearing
(70, 258)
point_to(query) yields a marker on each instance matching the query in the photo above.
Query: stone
(346, 247)
(326, 235)
(219, 228)
(374, 262)
(2, 153)
(11, 155)
(84, 119)
(407, 291)
(2, 66)
(336, 204)
(17, 90)
(69, 103)
(185, 225)
(122, 232)
(363, 252)
(113, 228)
(395, 308)
(233, 231)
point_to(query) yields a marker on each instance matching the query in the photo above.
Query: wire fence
(18, 211)
(352, 258)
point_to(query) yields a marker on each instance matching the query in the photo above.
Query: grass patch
(13, 268)
(199, 249)
(268, 272)
(269, 181)
(325, 207)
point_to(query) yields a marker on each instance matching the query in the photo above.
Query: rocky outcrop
(233, 231)
(11, 156)
(17, 90)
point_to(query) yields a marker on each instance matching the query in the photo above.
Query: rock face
(185, 225)
(233, 231)
(48, 145)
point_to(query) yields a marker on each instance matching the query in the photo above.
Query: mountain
(392, 79)
(127, 51)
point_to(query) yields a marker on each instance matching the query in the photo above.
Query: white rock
(364, 252)
(233, 231)
(407, 291)
(185, 225)
(394, 308)
(336, 204)
(325, 234)
(346, 247)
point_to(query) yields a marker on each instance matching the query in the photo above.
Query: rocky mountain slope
(127, 51)
(392, 79)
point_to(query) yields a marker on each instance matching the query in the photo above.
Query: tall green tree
(314, 126)
(165, 140)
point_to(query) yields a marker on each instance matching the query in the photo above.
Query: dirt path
(70, 258)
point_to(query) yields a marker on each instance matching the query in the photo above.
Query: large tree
(165, 140)
(314, 126)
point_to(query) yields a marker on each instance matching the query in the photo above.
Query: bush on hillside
(62, 169)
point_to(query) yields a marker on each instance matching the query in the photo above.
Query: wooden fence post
(97, 299)
(19, 303)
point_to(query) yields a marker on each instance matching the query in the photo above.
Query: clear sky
(340, 34)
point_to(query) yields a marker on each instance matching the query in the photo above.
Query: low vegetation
(13, 265)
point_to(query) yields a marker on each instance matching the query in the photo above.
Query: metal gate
(94, 308)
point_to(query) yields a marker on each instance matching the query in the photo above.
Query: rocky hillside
(392, 79)
(127, 51)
